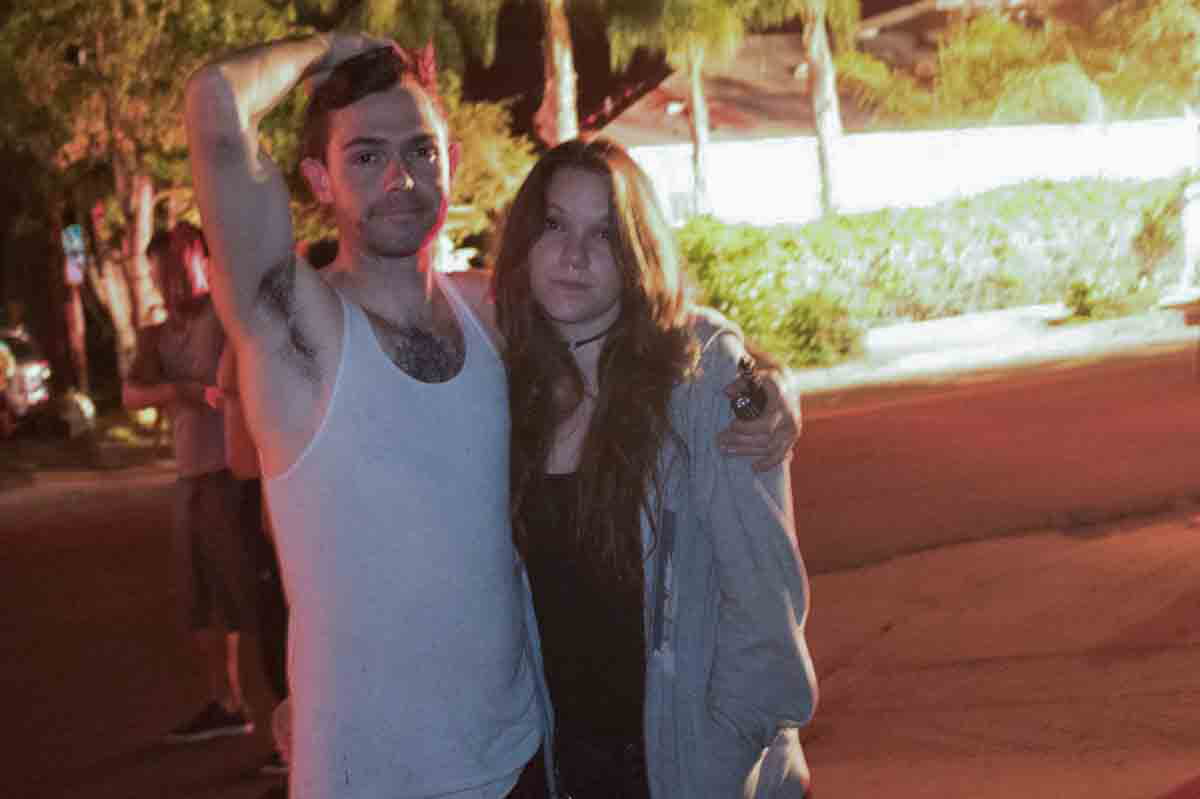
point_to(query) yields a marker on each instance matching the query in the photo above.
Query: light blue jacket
(728, 676)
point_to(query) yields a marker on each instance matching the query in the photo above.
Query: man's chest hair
(431, 352)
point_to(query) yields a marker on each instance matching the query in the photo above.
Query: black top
(591, 630)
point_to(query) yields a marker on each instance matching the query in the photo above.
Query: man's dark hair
(171, 248)
(366, 73)
(160, 242)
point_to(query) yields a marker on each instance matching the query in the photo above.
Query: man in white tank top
(377, 399)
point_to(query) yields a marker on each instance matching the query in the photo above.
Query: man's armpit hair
(277, 289)
(277, 297)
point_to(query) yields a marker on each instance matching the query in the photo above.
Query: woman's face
(573, 269)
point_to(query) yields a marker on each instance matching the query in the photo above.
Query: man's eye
(607, 234)
(367, 158)
(552, 223)
(423, 152)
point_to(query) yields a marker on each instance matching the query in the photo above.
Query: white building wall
(775, 181)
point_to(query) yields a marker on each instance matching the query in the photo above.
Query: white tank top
(407, 659)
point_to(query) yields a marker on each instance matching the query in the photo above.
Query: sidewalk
(975, 344)
(1045, 665)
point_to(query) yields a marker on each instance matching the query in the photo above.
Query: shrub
(758, 278)
(1137, 59)
(1159, 233)
(807, 292)
(819, 330)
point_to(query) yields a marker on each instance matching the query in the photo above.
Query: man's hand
(771, 435)
(342, 47)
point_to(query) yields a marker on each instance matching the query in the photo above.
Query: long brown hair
(649, 351)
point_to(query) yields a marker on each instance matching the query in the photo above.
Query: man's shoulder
(475, 286)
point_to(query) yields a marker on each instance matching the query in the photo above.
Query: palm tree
(557, 118)
(820, 16)
(700, 33)
(693, 34)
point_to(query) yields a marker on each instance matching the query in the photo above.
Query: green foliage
(1080, 299)
(807, 292)
(748, 274)
(1159, 233)
(841, 16)
(1056, 93)
(819, 328)
(688, 31)
(1089, 300)
(1140, 58)
(976, 62)
(493, 162)
(1144, 54)
(456, 27)
(108, 78)
(875, 87)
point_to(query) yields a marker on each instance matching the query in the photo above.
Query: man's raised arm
(242, 196)
(282, 319)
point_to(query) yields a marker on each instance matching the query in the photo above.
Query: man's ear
(317, 176)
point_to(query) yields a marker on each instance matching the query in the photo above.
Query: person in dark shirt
(669, 591)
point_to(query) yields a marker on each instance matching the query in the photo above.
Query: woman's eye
(366, 158)
(552, 224)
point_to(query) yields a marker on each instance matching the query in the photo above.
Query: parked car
(24, 380)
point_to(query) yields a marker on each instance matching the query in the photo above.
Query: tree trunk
(146, 297)
(826, 114)
(698, 117)
(72, 308)
(557, 119)
(111, 285)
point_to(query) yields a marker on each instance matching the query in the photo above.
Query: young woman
(669, 591)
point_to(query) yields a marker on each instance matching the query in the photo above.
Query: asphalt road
(897, 469)
(94, 664)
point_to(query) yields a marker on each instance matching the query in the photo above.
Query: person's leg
(206, 516)
(272, 607)
(218, 650)
(230, 577)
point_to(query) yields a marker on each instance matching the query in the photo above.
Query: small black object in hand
(750, 402)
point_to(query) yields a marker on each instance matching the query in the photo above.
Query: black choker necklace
(574, 345)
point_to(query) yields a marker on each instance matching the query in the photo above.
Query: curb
(974, 344)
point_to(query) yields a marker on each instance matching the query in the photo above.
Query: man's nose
(398, 177)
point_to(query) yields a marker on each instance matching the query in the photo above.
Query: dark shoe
(275, 766)
(212, 722)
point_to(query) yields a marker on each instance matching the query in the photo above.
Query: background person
(176, 367)
(256, 526)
